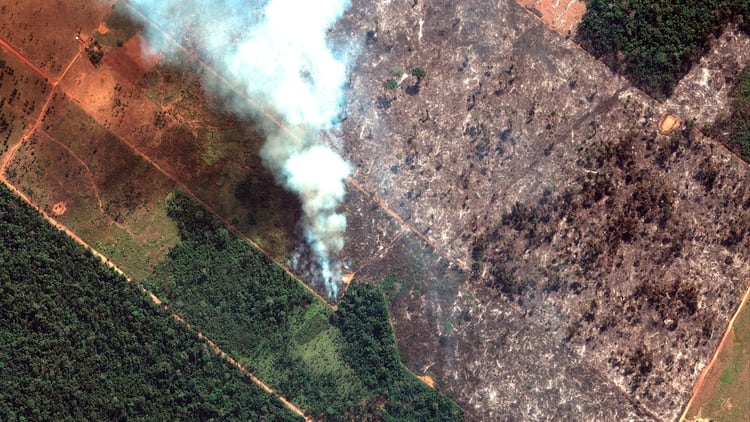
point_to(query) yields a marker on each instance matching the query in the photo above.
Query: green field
(334, 365)
(78, 342)
(114, 198)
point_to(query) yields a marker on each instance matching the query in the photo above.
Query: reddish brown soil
(133, 60)
(561, 15)
(59, 208)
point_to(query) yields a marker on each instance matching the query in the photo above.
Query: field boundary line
(727, 332)
(70, 233)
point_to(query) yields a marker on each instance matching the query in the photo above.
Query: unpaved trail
(92, 182)
(43, 111)
(17, 54)
(216, 349)
(8, 157)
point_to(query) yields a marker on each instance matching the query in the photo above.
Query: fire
(348, 278)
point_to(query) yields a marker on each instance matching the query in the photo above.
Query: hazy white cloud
(278, 53)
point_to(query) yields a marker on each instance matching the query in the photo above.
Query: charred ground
(568, 228)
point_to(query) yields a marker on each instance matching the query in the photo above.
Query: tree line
(655, 42)
(79, 342)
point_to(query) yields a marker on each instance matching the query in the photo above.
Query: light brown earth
(427, 380)
(562, 16)
(669, 123)
(59, 208)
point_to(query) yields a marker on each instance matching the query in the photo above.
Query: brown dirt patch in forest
(427, 380)
(669, 123)
(561, 15)
(59, 208)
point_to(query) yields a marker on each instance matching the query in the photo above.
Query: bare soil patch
(45, 31)
(669, 123)
(59, 208)
(133, 59)
(102, 28)
(427, 380)
(562, 16)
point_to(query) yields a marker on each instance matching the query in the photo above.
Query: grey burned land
(559, 257)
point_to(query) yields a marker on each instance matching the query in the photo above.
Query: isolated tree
(419, 73)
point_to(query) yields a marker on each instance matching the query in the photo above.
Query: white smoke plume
(278, 53)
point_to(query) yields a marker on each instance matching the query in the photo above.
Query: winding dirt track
(12, 151)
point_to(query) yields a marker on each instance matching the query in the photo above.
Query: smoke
(278, 54)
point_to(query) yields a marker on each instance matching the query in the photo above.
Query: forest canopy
(655, 42)
(335, 365)
(79, 342)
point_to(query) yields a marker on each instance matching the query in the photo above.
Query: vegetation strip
(654, 43)
(275, 328)
(79, 342)
(9, 155)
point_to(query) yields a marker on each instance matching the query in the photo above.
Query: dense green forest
(78, 342)
(370, 349)
(655, 42)
(741, 116)
(335, 366)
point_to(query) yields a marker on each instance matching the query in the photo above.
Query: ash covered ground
(559, 258)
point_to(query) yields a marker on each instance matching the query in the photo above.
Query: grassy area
(78, 342)
(724, 393)
(114, 199)
(280, 331)
(22, 95)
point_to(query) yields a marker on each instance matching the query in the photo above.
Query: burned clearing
(541, 172)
